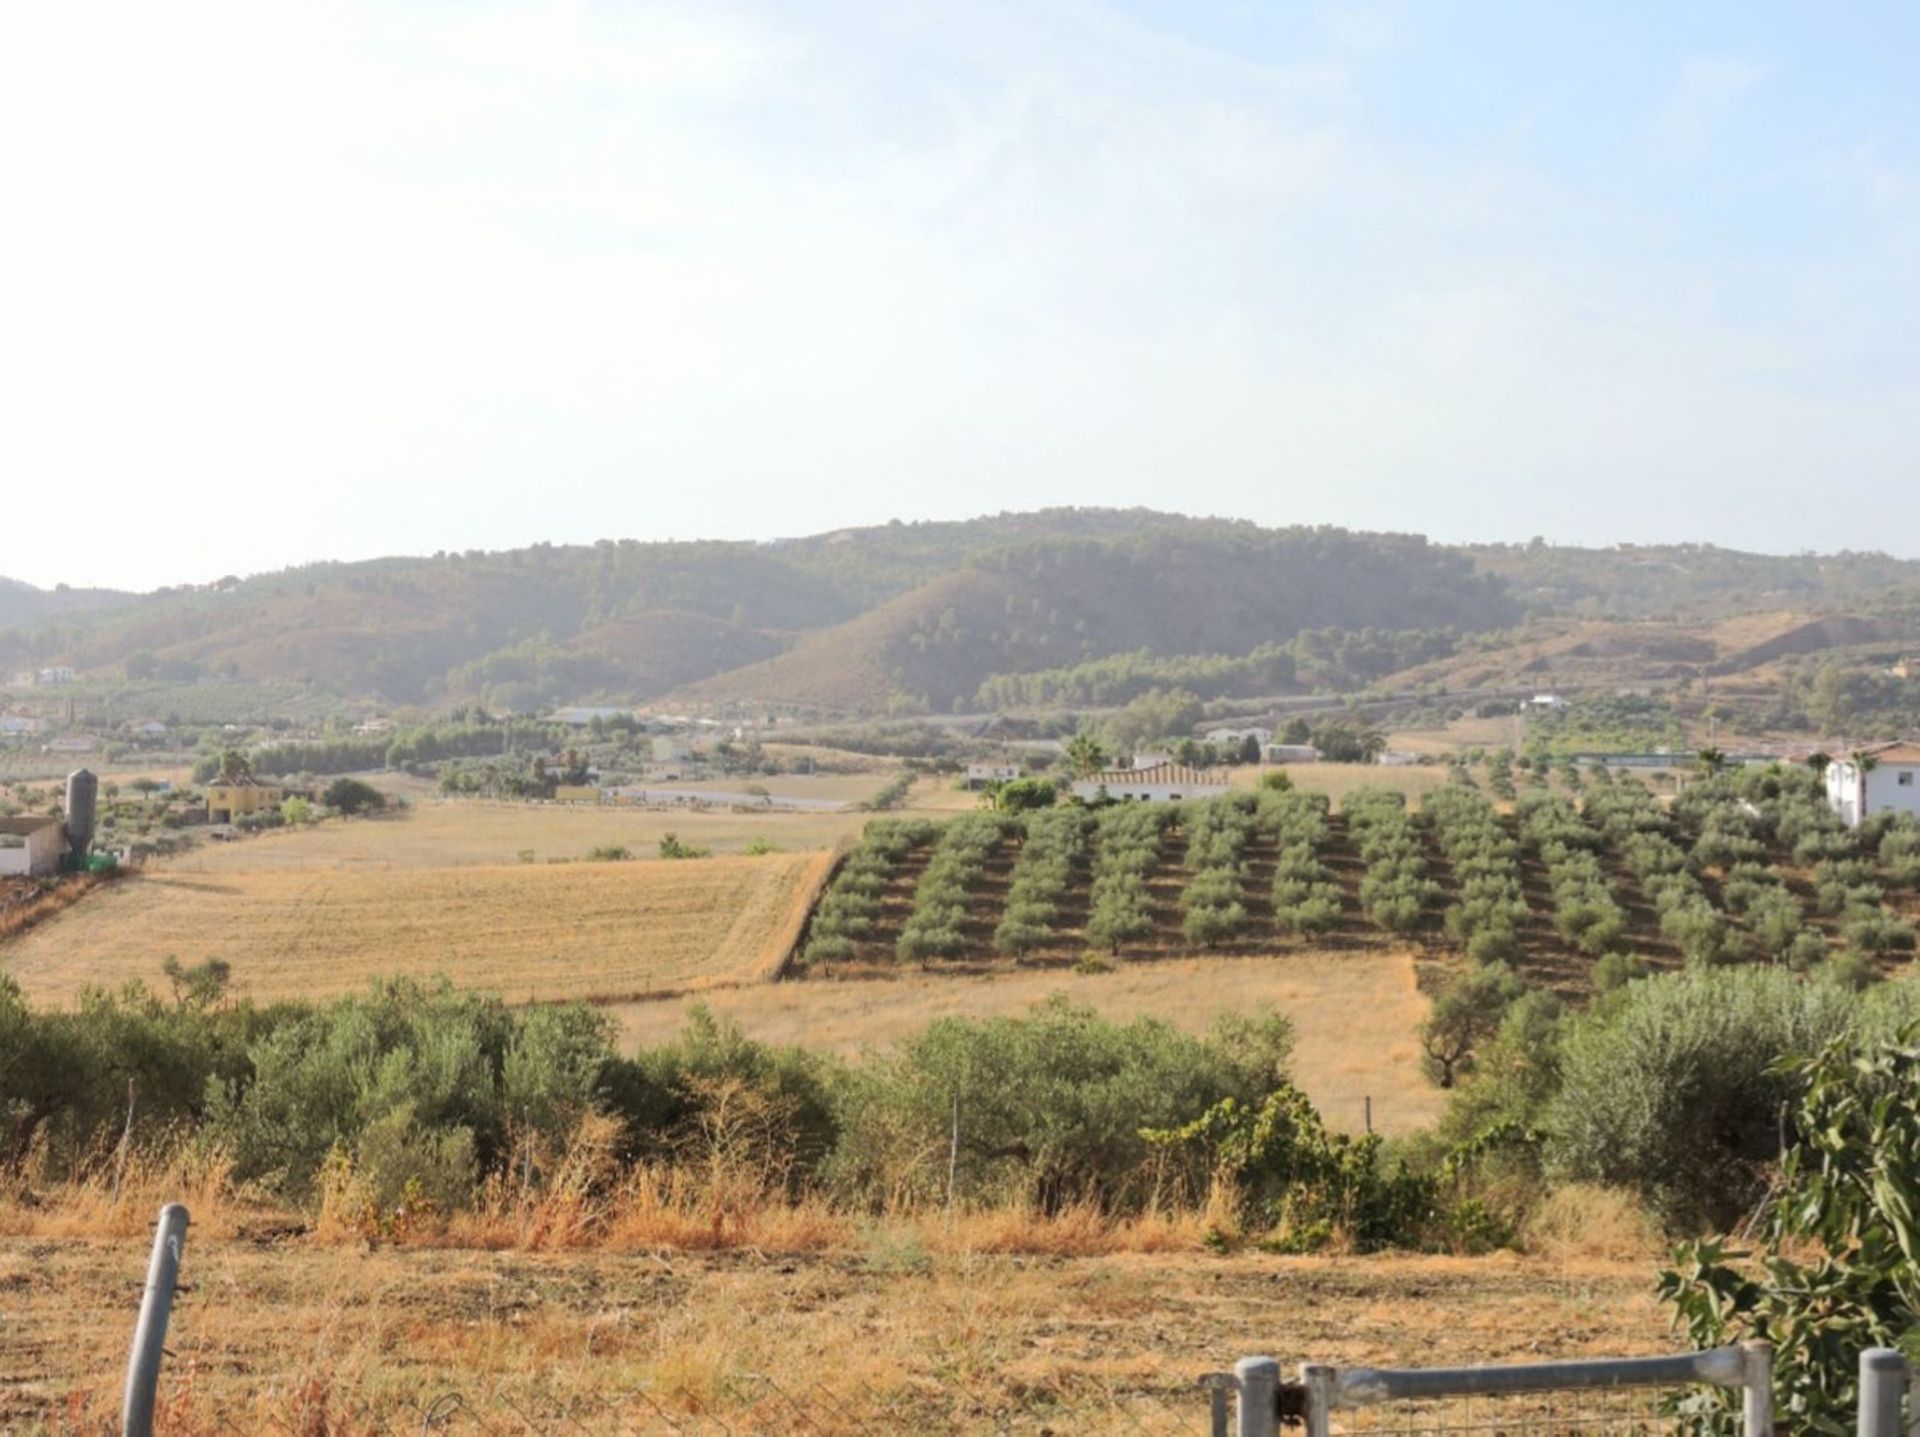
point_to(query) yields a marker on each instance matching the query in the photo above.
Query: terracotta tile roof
(1898, 751)
(1160, 773)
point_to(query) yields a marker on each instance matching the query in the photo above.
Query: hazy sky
(282, 282)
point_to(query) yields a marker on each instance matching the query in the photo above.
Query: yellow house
(230, 799)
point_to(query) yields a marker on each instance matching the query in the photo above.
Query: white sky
(286, 282)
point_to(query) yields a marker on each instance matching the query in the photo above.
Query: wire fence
(751, 1404)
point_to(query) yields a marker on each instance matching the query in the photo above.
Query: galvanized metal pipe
(1257, 1411)
(1883, 1380)
(150, 1332)
(1363, 1386)
(1756, 1408)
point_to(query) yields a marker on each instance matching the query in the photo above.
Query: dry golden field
(447, 833)
(529, 932)
(1356, 1016)
(1337, 780)
(906, 1330)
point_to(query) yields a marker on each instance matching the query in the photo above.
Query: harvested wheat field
(526, 932)
(908, 1332)
(1356, 1016)
(446, 833)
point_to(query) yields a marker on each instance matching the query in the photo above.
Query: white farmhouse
(1889, 781)
(1291, 753)
(1262, 736)
(1161, 783)
(979, 775)
(30, 847)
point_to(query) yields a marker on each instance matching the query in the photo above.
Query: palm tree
(1710, 761)
(1086, 754)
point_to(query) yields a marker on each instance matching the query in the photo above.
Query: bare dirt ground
(304, 1338)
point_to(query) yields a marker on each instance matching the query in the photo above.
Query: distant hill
(22, 604)
(913, 615)
(1040, 605)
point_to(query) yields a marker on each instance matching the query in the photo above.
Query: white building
(979, 775)
(1396, 758)
(1161, 783)
(1291, 753)
(1547, 701)
(19, 723)
(58, 674)
(30, 847)
(1152, 758)
(1262, 736)
(1888, 782)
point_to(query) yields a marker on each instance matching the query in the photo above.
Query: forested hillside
(1063, 606)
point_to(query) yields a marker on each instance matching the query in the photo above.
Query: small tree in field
(350, 796)
(1467, 1015)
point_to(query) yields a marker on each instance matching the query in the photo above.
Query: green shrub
(1671, 1090)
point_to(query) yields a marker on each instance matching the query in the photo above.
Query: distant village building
(150, 728)
(1261, 736)
(1157, 783)
(368, 727)
(1291, 753)
(1152, 758)
(1396, 758)
(1551, 702)
(581, 715)
(1889, 782)
(73, 743)
(30, 847)
(229, 799)
(979, 775)
(58, 674)
(19, 723)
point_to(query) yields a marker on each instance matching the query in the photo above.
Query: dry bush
(111, 1199)
(1579, 1221)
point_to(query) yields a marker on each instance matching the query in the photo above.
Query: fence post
(1883, 1377)
(1257, 1409)
(150, 1332)
(1756, 1398)
(1318, 1379)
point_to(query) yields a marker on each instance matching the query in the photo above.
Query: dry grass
(892, 1332)
(1577, 1222)
(449, 834)
(1337, 780)
(1356, 1016)
(534, 933)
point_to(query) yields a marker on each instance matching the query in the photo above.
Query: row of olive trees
(936, 926)
(1306, 899)
(846, 914)
(1218, 833)
(1489, 909)
(1396, 889)
(1130, 839)
(1586, 912)
(1051, 860)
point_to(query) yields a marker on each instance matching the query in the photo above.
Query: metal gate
(1688, 1392)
